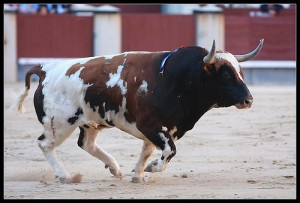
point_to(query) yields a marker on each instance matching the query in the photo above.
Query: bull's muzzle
(245, 104)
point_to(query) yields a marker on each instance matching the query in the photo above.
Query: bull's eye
(226, 75)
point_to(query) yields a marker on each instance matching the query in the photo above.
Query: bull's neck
(184, 76)
(198, 97)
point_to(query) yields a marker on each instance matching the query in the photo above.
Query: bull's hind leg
(87, 141)
(48, 141)
(147, 151)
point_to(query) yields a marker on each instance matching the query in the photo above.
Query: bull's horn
(246, 57)
(210, 58)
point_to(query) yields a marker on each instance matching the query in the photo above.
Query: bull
(154, 96)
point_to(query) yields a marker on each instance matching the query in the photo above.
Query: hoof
(151, 166)
(115, 172)
(65, 178)
(137, 180)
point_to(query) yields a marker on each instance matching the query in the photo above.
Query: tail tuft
(18, 101)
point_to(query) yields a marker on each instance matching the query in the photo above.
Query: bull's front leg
(163, 140)
(147, 151)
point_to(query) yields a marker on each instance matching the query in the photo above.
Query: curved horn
(246, 57)
(210, 58)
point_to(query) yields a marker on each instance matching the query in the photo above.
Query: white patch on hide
(115, 79)
(230, 58)
(143, 87)
(164, 128)
(167, 149)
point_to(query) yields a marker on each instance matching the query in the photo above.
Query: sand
(229, 154)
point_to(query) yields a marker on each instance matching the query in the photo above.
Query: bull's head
(228, 78)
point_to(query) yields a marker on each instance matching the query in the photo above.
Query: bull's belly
(110, 119)
(61, 115)
(118, 120)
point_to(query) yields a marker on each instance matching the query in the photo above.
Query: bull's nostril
(248, 101)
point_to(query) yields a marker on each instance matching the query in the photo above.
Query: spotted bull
(154, 96)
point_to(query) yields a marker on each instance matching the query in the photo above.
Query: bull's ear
(210, 69)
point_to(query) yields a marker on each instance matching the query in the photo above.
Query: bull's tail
(35, 70)
(21, 99)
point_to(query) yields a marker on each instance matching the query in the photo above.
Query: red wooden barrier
(61, 36)
(70, 36)
(156, 32)
(243, 32)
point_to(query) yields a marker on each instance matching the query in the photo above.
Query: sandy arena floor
(230, 154)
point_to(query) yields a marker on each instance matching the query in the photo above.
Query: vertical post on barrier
(10, 46)
(210, 25)
(107, 30)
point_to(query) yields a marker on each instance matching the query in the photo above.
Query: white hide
(61, 91)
